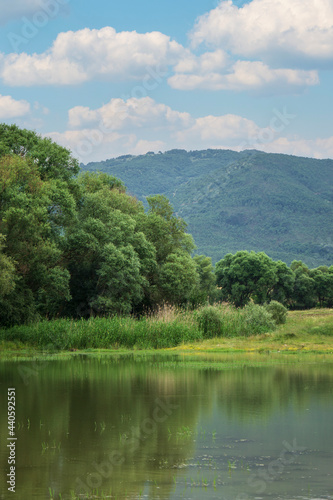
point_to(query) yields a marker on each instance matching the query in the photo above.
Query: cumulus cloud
(76, 57)
(298, 31)
(10, 108)
(133, 113)
(246, 75)
(313, 148)
(91, 144)
(120, 127)
(137, 126)
(206, 63)
(218, 131)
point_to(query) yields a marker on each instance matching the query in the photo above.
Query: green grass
(303, 333)
(102, 333)
(211, 328)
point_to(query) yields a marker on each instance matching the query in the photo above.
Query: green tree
(166, 231)
(7, 271)
(109, 259)
(283, 289)
(178, 278)
(303, 296)
(31, 219)
(173, 247)
(246, 275)
(323, 285)
(206, 289)
(53, 161)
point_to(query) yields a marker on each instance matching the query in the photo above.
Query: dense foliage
(79, 245)
(279, 204)
(247, 276)
(76, 244)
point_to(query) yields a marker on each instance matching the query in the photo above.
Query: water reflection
(157, 427)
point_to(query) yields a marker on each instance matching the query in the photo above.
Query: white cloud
(314, 148)
(207, 62)
(104, 54)
(142, 147)
(15, 9)
(218, 131)
(10, 108)
(144, 125)
(93, 144)
(298, 31)
(136, 126)
(126, 115)
(246, 75)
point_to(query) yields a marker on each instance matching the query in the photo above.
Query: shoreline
(305, 333)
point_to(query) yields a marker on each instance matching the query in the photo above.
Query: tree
(166, 231)
(178, 278)
(206, 288)
(109, 259)
(323, 285)
(283, 289)
(246, 275)
(303, 296)
(7, 270)
(53, 161)
(31, 219)
(173, 247)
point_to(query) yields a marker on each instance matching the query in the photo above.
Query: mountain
(279, 204)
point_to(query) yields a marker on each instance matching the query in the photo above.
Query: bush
(210, 321)
(278, 312)
(257, 320)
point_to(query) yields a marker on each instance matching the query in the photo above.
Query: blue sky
(108, 78)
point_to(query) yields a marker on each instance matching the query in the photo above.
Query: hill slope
(279, 204)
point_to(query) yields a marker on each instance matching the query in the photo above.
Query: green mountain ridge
(279, 204)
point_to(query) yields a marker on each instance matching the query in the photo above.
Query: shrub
(278, 312)
(257, 320)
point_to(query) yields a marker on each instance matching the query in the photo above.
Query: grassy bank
(218, 328)
(304, 332)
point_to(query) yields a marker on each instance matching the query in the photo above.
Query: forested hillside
(279, 204)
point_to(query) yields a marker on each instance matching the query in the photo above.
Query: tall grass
(167, 327)
(226, 321)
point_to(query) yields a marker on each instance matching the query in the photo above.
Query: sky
(107, 78)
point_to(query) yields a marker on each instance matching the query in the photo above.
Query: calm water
(163, 428)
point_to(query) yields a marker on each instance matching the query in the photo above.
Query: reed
(167, 327)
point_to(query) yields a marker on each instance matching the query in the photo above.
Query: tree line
(76, 244)
(247, 276)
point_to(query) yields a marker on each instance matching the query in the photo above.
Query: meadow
(210, 328)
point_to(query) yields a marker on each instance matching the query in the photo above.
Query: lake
(168, 427)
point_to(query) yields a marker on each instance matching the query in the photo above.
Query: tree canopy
(247, 276)
(76, 244)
